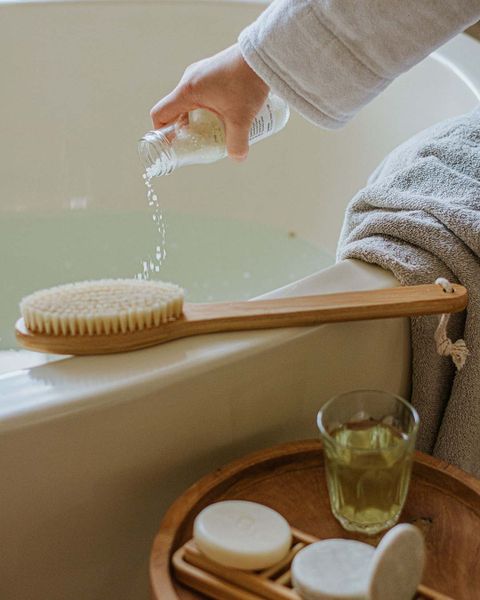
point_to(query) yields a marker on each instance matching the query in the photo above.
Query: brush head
(102, 307)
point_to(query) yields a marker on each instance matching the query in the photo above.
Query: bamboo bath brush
(118, 315)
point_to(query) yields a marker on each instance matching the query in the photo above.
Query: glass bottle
(199, 138)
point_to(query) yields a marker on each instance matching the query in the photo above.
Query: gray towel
(419, 217)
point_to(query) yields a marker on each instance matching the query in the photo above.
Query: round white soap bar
(333, 569)
(398, 563)
(242, 534)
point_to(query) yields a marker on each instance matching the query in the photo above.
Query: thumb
(166, 110)
(237, 138)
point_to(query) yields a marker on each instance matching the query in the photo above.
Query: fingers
(169, 108)
(237, 138)
(180, 101)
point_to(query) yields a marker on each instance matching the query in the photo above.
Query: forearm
(328, 58)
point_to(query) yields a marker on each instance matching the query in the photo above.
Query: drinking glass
(368, 438)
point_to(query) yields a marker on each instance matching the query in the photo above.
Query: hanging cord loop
(445, 347)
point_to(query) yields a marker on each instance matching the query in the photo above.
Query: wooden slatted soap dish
(443, 502)
(195, 570)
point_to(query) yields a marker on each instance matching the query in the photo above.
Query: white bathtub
(92, 450)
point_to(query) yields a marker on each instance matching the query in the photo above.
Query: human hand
(223, 84)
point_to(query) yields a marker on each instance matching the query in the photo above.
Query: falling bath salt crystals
(198, 138)
(152, 265)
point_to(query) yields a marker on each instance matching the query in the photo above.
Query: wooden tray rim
(164, 542)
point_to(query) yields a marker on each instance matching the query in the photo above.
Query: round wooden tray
(443, 501)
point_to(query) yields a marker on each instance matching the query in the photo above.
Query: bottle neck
(157, 154)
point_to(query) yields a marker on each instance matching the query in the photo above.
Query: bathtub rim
(64, 387)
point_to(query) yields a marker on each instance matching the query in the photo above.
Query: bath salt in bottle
(199, 138)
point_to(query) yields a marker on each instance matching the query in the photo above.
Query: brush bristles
(102, 307)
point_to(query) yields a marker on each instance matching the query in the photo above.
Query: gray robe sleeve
(328, 58)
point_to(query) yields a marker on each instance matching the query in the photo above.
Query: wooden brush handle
(326, 308)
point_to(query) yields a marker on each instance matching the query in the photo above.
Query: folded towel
(419, 217)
